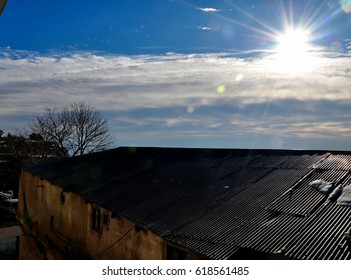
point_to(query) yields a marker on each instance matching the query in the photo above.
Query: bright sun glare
(293, 52)
(293, 41)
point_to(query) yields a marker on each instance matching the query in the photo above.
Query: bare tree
(54, 126)
(90, 129)
(77, 129)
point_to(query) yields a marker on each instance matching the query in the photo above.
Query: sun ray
(270, 29)
(283, 13)
(311, 18)
(291, 40)
(267, 31)
(291, 13)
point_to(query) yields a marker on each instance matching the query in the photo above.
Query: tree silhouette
(77, 129)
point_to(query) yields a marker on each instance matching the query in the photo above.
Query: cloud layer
(218, 100)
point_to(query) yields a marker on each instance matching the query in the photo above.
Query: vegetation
(76, 129)
(18, 151)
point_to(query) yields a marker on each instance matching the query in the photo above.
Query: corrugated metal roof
(302, 199)
(336, 162)
(322, 236)
(218, 202)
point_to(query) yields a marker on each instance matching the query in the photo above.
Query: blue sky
(185, 73)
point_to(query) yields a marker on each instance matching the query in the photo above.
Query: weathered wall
(64, 229)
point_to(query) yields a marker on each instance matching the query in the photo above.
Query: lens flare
(345, 5)
(190, 109)
(221, 89)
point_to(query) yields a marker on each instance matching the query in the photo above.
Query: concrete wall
(53, 229)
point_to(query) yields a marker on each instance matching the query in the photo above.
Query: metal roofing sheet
(269, 161)
(214, 201)
(273, 234)
(322, 236)
(304, 161)
(302, 199)
(222, 224)
(336, 161)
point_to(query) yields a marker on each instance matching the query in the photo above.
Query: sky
(174, 73)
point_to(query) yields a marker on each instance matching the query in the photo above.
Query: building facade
(57, 224)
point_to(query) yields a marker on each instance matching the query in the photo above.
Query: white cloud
(153, 94)
(209, 10)
(204, 28)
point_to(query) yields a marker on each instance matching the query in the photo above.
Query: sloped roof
(219, 202)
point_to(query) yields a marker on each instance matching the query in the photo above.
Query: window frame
(95, 219)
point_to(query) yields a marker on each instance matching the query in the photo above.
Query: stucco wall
(64, 229)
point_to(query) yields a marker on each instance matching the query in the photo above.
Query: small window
(105, 219)
(51, 222)
(96, 220)
(62, 198)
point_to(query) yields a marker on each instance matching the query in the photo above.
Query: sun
(293, 52)
(291, 37)
(293, 41)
